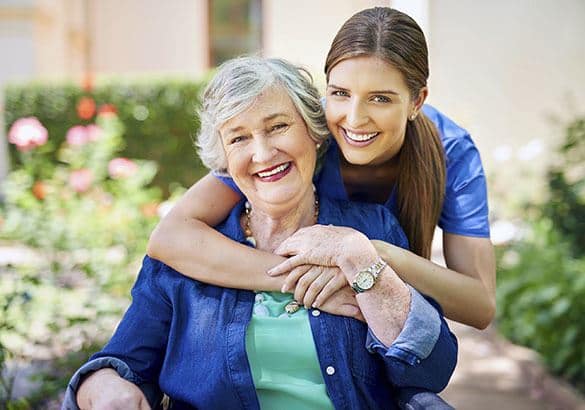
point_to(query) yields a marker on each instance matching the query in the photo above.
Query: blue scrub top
(465, 206)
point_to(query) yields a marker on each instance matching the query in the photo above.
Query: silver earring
(318, 146)
(412, 117)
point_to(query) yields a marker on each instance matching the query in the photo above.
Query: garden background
(98, 117)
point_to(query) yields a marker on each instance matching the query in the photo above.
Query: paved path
(494, 374)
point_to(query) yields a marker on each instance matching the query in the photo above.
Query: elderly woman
(212, 347)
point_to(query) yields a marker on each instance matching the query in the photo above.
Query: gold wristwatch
(366, 279)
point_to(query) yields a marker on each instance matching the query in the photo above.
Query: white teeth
(360, 137)
(274, 171)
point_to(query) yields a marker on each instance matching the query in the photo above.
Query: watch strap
(374, 269)
(377, 267)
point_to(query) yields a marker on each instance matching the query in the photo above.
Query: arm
(415, 361)
(404, 328)
(134, 355)
(465, 289)
(185, 240)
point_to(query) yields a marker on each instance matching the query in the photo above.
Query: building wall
(504, 70)
(17, 42)
(60, 38)
(133, 36)
(17, 49)
(302, 31)
(70, 37)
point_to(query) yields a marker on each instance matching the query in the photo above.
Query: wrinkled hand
(322, 245)
(106, 390)
(343, 303)
(314, 284)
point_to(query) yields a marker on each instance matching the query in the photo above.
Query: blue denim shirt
(189, 337)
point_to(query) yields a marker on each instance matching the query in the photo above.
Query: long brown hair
(398, 40)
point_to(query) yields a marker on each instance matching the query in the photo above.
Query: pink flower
(93, 132)
(27, 133)
(77, 136)
(81, 135)
(81, 179)
(121, 168)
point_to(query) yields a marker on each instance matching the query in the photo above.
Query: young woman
(395, 152)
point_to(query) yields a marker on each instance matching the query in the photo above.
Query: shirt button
(315, 312)
(330, 370)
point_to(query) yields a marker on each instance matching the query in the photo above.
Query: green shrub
(14, 301)
(158, 114)
(87, 214)
(86, 199)
(541, 278)
(541, 300)
(566, 182)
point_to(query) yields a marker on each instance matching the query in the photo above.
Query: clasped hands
(323, 260)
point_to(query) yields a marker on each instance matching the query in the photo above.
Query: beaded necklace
(248, 211)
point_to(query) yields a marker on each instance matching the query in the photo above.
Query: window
(235, 29)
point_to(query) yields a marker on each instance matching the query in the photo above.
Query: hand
(343, 303)
(327, 246)
(314, 284)
(106, 390)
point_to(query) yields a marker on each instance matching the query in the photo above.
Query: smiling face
(269, 152)
(368, 105)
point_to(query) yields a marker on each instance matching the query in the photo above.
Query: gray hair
(235, 87)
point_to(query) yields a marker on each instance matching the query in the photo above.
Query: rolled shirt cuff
(418, 336)
(152, 392)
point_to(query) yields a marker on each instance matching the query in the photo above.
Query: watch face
(365, 280)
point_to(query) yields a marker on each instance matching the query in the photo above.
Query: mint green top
(282, 356)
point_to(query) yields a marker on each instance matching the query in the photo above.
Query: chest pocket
(366, 366)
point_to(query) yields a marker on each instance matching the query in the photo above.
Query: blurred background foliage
(158, 115)
(85, 213)
(541, 276)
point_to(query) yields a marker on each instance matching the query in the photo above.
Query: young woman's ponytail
(421, 184)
